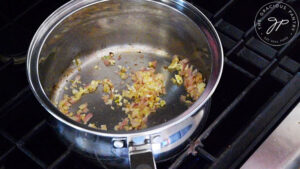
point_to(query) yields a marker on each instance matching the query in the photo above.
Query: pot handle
(141, 156)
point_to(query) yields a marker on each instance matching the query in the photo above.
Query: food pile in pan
(140, 99)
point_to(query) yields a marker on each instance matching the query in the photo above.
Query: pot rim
(68, 9)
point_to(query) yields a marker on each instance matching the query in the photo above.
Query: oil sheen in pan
(134, 57)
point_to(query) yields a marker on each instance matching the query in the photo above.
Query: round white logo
(276, 23)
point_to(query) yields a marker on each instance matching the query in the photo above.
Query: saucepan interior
(139, 32)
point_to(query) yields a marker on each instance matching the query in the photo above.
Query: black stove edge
(260, 128)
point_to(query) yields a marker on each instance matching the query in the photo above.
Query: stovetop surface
(282, 147)
(260, 84)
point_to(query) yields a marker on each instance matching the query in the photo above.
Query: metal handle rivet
(118, 144)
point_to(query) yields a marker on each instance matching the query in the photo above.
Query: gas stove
(259, 88)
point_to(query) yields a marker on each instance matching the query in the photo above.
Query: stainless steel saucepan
(140, 31)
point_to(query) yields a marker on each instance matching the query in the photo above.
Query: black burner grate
(258, 86)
